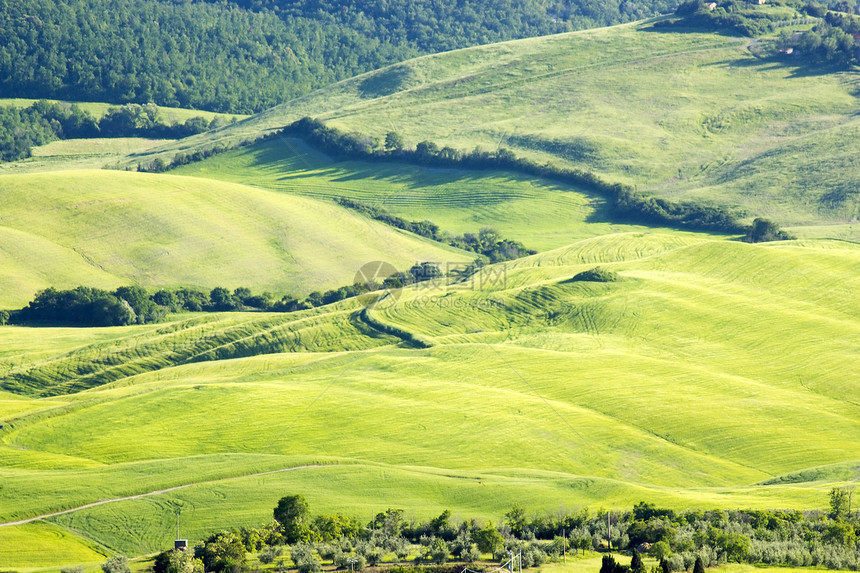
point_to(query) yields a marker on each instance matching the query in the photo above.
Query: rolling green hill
(541, 214)
(659, 110)
(108, 228)
(712, 374)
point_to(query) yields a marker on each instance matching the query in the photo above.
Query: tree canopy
(243, 56)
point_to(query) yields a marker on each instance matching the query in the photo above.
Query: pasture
(677, 384)
(659, 110)
(108, 228)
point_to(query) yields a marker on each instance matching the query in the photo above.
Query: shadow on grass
(298, 161)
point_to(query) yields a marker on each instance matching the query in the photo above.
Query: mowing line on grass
(151, 493)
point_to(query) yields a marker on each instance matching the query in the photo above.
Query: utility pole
(520, 560)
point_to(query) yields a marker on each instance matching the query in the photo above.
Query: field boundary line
(155, 492)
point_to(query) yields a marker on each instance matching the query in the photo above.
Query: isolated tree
(607, 565)
(4, 318)
(488, 539)
(660, 550)
(118, 564)
(293, 514)
(177, 561)
(699, 567)
(393, 141)
(839, 503)
(636, 564)
(764, 230)
(222, 552)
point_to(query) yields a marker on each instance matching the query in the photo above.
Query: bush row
(86, 306)
(625, 202)
(487, 242)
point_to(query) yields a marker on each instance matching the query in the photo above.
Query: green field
(106, 229)
(712, 374)
(711, 370)
(541, 214)
(77, 154)
(661, 111)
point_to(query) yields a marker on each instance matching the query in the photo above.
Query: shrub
(763, 230)
(304, 559)
(269, 554)
(598, 275)
(118, 564)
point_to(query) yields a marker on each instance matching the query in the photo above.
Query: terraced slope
(106, 229)
(662, 111)
(712, 374)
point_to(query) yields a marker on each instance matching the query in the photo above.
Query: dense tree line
(21, 129)
(736, 17)
(626, 203)
(831, 42)
(487, 242)
(85, 306)
(679, 541)
(244, 56)
(433, 26)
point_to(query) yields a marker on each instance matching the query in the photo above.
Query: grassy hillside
(659, 110)
(712, 374)
(105, 229)
(541, 214)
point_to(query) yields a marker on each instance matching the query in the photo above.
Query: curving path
(156, 492)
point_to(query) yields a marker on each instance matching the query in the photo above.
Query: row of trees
(487, 242)
(678, 540)
(21, 129)
(86, 306)
(244, 56)
(626, 203)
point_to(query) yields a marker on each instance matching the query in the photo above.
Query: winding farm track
(151, 493)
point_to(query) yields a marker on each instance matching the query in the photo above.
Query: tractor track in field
(155, 492)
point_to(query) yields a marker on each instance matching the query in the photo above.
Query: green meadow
(711, 374)
(685, 116)
(106, 229)
(539, 213)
